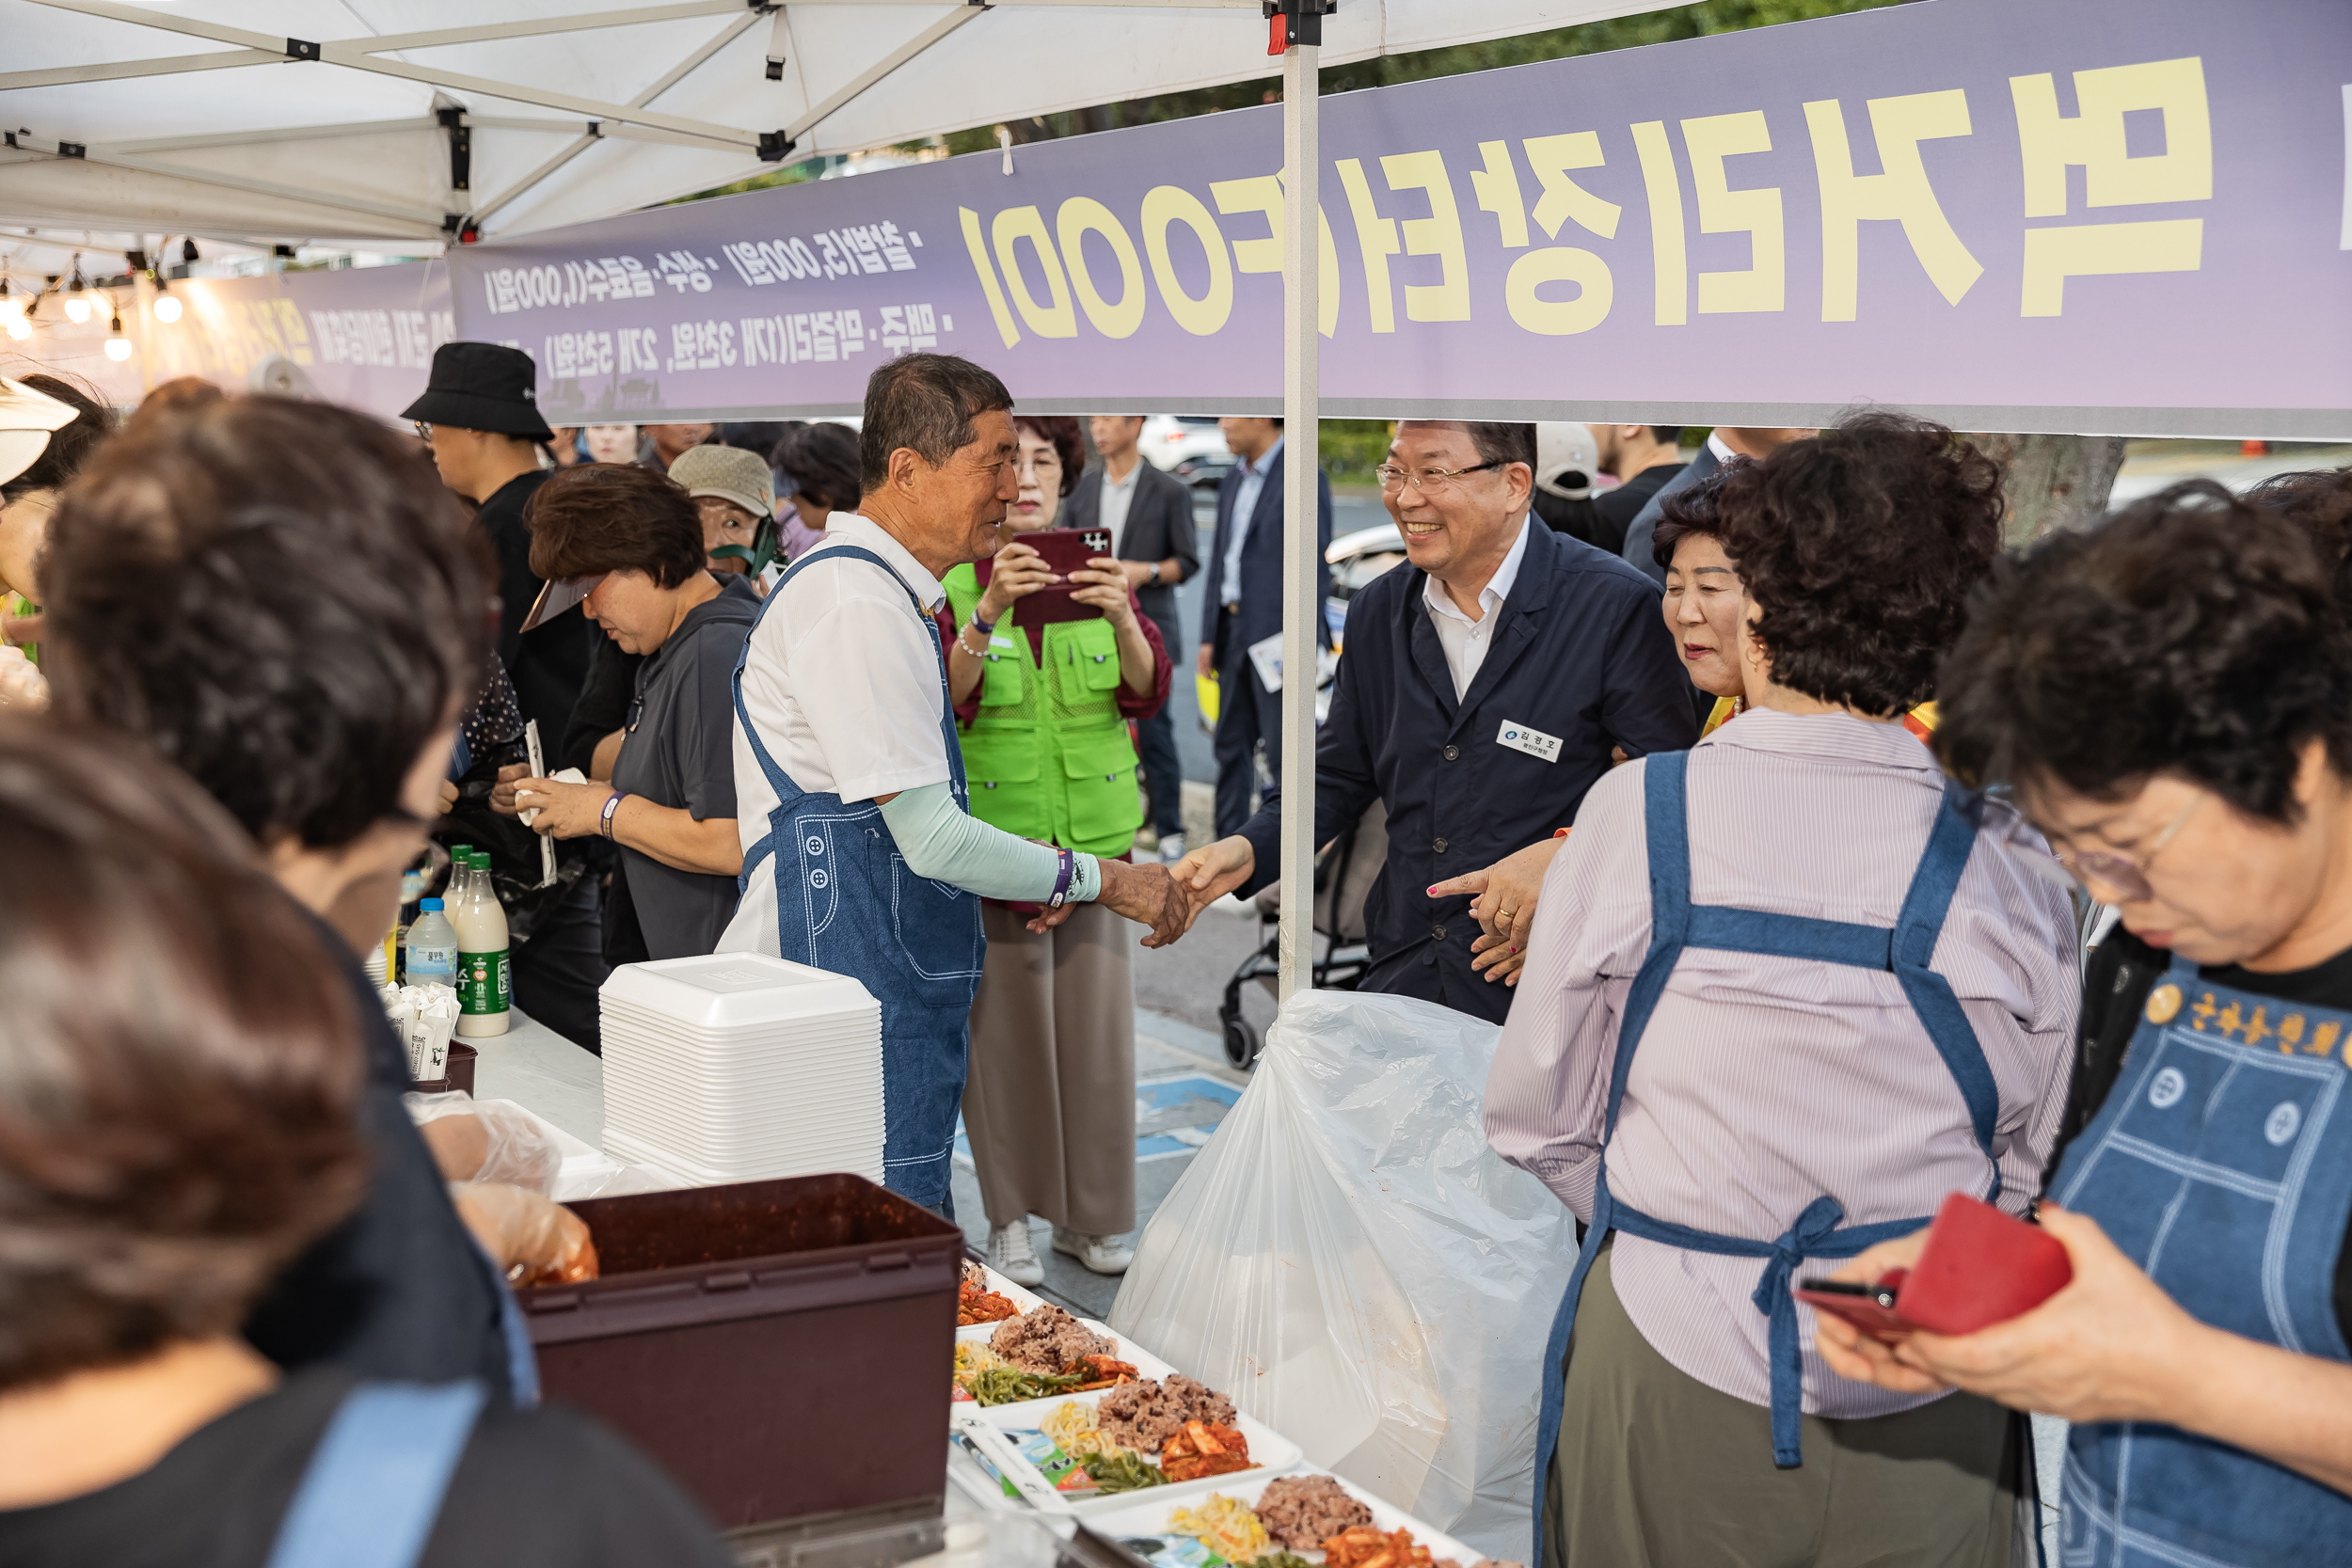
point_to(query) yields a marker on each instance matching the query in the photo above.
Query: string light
(118, 346)
(19, 328)
(76, 306)
(11, 307)
(168, 308)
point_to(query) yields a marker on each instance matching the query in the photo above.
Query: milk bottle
(483, 987)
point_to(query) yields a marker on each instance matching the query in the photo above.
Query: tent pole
(1302, 601)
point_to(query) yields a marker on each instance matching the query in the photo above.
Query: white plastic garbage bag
(1349, 1262)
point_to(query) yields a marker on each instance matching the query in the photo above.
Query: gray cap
(729, 473)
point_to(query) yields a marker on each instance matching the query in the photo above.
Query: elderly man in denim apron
(860, 855)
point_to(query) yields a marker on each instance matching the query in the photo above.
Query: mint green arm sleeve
(944, 842)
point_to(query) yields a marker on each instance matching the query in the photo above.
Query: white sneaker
(1100, 1254)
(1172, 848)
(1012, 1254)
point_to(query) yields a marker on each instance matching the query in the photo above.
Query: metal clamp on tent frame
(1296, 22)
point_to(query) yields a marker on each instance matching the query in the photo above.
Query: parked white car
(1189, 445)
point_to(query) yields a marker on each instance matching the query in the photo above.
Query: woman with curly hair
(2170, 697)
(1042, 710)
(1784, 992)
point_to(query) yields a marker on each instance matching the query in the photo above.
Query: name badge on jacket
(1535, 743)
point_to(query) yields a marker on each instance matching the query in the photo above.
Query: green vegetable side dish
(1011, 1386)
(1283, 1559)
(1124, 1471)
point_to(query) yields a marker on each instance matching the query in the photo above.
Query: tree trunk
(2053, 481)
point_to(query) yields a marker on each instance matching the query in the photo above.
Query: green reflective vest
(1048, 754)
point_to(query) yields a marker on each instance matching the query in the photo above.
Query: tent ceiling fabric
(195, 119)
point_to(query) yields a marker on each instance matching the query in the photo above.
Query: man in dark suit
(1244, 607)
(1149, 518)
(1486, 682)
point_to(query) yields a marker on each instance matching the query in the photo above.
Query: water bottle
(433, 948)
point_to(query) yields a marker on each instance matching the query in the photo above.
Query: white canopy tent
(406, 123)
(382, 120)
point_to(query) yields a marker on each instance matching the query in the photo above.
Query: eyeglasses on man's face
(1432, 483)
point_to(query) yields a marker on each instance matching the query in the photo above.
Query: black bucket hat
(483, 386)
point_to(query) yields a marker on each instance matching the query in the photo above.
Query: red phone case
(1981, 1267)
(1866, 1315)
(1066, 550)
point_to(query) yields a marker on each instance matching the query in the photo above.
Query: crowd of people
(1813, 825)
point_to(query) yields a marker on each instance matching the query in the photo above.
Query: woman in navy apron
(2170, 696)
(1842, 996)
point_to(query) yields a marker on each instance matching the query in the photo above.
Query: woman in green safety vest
(1049, 1103)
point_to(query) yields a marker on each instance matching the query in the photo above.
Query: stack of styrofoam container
(739, 1067)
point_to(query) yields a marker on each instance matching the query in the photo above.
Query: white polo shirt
(842, 680)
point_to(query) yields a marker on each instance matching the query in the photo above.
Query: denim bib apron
(1676, 924)
(846, 902)
(373, 1488)
(2221, 1164)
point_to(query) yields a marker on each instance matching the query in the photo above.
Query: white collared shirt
(1715, 444)
(1466, 641)
(1118, 495)
(1244, 504)
(842, 680)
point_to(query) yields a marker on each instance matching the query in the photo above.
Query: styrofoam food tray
(1270, 1450)
(810, 1088)
(718, 1149)
(728, 990)
(1146, 1513)
(636, 1151)
(1144, 1362)
(865, 1023)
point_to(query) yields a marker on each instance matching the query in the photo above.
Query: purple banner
(2109, 215)
(363, 337)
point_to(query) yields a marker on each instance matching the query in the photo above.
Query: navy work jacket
(1580, 653)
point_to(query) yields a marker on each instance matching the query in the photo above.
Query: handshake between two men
(1169, 899)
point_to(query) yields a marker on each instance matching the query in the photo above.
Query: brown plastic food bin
(783, 1348)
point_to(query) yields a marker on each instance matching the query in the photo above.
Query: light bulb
(167, 309)
(11, 307)
(76, 309)
(19, 328)
(118, 349)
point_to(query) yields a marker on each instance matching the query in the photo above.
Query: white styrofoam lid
(731, 990)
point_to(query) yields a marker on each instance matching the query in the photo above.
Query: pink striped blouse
(1763, 1082)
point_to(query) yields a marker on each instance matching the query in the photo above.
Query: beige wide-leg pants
(1049, 1103)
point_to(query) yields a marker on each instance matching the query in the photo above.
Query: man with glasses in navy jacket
(1486, 682)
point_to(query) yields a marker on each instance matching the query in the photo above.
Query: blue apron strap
(1791, 936)
(1667, 830)
(522, 1356)
(778, 780)
(377, 1480)
(1916, 928)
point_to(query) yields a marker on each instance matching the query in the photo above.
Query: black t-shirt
(549, 664)
(546, 1488)
(1601, 518)
(398, 1290)
(2121, 971)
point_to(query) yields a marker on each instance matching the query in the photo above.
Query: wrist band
(1062, 876)
(983, 627)
(611, 805)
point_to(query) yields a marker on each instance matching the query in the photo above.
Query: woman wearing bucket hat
(736, 498)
